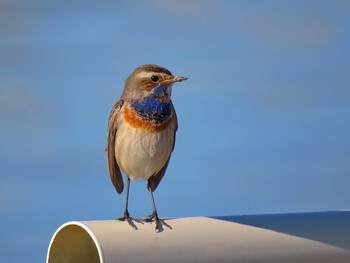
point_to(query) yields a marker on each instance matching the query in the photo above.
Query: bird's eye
(155, 78)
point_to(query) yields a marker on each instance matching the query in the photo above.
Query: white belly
(141, 153)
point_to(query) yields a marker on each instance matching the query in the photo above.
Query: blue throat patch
(152, 109)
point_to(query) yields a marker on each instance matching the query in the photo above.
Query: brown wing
(154, 180)
(114, 170)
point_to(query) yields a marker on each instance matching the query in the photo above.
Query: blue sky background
(263, 120)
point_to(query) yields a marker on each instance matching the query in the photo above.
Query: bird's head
(150, 81)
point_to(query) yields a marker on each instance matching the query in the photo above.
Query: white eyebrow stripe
(144, 74)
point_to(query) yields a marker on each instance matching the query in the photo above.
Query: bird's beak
(173, 80)
(178, 79)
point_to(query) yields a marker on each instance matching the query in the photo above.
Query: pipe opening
(73, 244)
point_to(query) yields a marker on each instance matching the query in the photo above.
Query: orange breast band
(131, 117)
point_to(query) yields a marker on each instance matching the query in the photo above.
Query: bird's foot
(159, 222)
(130, 220)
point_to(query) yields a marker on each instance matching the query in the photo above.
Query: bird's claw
(130, 221)
(159, 222)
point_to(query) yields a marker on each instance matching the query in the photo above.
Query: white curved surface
(308, 237)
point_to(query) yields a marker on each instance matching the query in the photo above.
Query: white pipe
(309, 237)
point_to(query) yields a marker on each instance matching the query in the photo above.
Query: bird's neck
(152, 109)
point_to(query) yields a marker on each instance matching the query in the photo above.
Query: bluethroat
(141, 133)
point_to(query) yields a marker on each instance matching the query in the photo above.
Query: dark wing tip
(154, 180)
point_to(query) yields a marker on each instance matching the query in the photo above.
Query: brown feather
(114, 170)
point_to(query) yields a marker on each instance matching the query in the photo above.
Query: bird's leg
(154, 216)
(127, 216)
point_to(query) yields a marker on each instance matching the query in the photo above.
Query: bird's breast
(149, 114)
(142, 148)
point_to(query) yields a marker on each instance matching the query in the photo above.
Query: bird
(141, 134)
